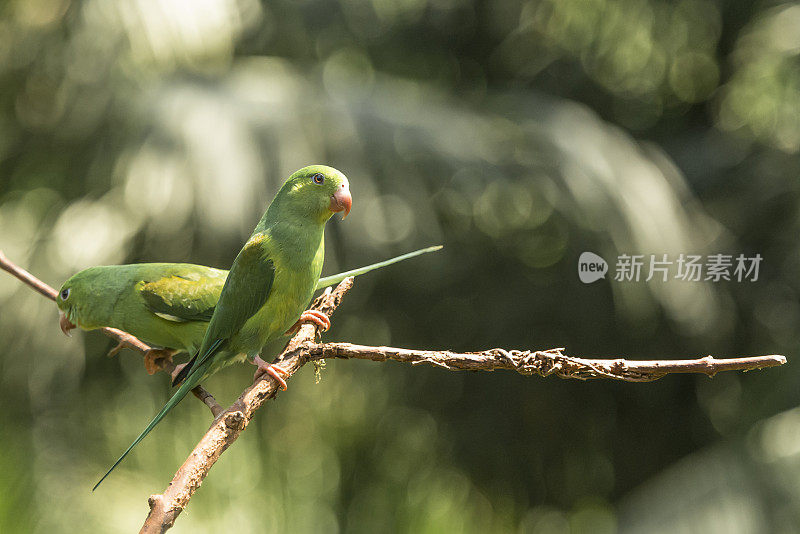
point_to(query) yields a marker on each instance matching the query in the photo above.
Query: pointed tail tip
(109, 471)
(106, 475)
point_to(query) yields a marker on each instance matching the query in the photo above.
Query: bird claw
(277, 373)
(156, 359)
(113, 352)
(313, 316)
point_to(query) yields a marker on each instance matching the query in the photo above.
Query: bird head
(65, 303)
(80, 299)
(319, 191)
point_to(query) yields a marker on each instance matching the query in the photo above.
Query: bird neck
(294, 226)
(302, 236)
(110, 282)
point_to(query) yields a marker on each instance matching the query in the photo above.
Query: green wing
(182, 297)
(245, 291)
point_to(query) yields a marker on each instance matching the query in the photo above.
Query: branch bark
(123, 339)
(301, 349)
(545, 362)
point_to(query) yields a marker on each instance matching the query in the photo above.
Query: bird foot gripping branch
(156, 360)
(278, 373)
(310, 316)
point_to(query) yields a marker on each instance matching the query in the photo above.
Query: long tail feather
(190, 382)
(336, 278)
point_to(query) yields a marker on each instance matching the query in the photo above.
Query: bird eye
(318, 179)
(65, 294)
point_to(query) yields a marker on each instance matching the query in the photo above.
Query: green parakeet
(165, 305)
(271, 280)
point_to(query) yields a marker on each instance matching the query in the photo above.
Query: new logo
(591, 267)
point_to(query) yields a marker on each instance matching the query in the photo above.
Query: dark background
(518, 134)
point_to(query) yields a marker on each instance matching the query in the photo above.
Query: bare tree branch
(27, 277)
(544, 362)
(229, 424)
(124, 339)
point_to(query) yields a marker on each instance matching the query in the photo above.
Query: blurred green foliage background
(519, 134)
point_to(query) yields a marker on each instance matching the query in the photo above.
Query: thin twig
(27, 277)
(545, 362)
(165, 507)
(124, 339)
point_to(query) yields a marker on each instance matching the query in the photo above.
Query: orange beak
(65, 325)
(341, 201)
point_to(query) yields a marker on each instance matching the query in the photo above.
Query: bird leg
(314, 316)
(156, 359)
(272, 370)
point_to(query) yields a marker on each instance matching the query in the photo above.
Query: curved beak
(341, 201)
(65, 325)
